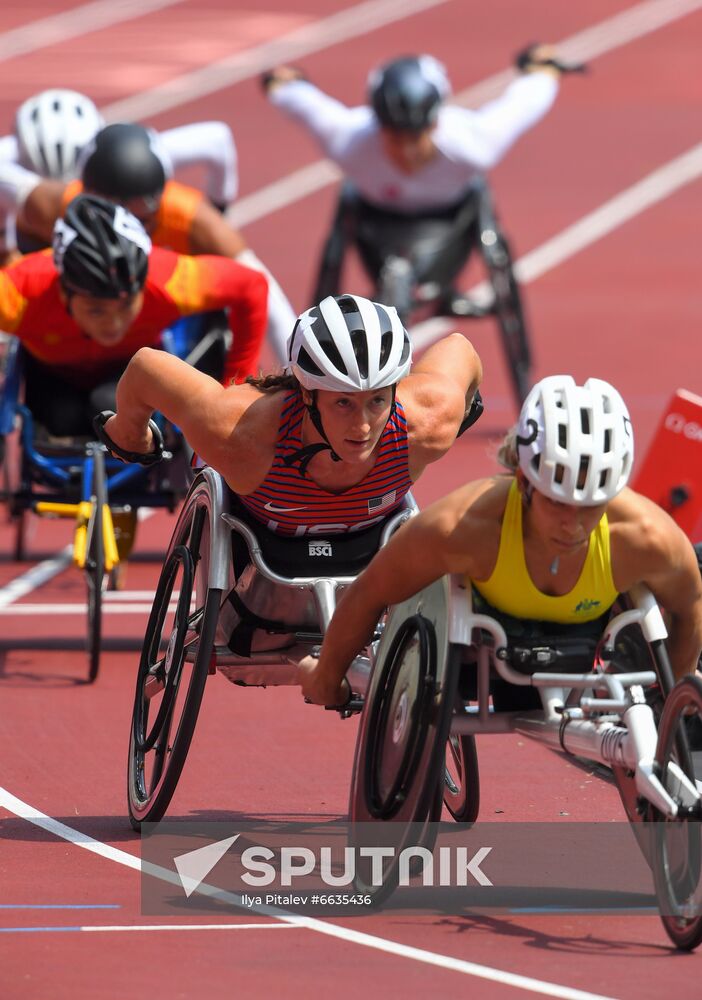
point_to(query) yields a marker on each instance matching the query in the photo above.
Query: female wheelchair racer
(314, 471)
(505, 588)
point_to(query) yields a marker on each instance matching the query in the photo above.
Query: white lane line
(22, 809)
(303, 41)
(134, 595)
(586, 45)
(45, 610)
(34, 577)
(49, 568)
(101, 929)
(659, 184)
(70, 24)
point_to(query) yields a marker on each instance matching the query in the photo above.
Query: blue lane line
(60, 906)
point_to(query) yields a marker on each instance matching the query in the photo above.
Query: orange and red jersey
(174, 216)
(176, 285)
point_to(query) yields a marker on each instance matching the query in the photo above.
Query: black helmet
(100, 249)
(121, 163)
(406, 93)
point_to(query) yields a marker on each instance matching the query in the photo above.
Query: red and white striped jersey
(291, 504)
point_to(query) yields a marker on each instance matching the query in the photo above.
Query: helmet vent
(360, 350)
(332, 352)
(584, 421)
(607, 440)
(305, 362)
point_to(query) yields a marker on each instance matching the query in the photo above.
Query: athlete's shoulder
(162, 264)
(177, 195)
(642, 532)
(70, 191)
(34, 274)
(470, 507)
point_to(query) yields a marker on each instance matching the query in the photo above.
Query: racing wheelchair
(75, 478)
(235, 598)
(607, 696)
(415, 260)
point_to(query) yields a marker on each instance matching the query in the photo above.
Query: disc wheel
(95, 564)
(173, 668)
(678, 850)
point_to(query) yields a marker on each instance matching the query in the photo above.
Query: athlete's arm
(208, 144)
(332, 123)
(218, 283)
(481, 138)
(42, 207)
(653, 550)
(204, 410)
(211, 233)
(442, 539)
(436, 396)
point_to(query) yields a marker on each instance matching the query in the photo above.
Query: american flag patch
(380, 503)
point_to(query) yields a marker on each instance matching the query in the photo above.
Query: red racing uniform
(176, 285)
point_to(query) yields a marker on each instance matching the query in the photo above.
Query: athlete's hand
(537, 58)
(129, 438)
(317, 688)
(281, 74)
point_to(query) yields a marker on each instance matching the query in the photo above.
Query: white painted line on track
(69, 24)
(16, 610)
(34, 577)
(49, 568)
(17, 807)
(116, 928)
(601, 38)
(303, 41)
(659, 184)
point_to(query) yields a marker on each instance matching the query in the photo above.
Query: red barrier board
(671, 473)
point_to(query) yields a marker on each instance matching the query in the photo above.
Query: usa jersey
(292, 504)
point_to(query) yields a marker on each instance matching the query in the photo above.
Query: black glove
(526, 60)
(270, 77)
(140, 458)
(474, 413)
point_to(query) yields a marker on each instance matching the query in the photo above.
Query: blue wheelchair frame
(56, 474)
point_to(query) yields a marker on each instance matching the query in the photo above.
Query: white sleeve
(15, 185)
(482, 137)
(9, 148)
(208, 144)
(332, 123)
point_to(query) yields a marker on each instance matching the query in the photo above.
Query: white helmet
(51, 128)
(349, 344)
(575, 443)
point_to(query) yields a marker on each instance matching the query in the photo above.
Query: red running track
(626, 308)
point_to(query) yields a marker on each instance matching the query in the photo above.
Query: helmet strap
(68, 293)
(306, 454)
